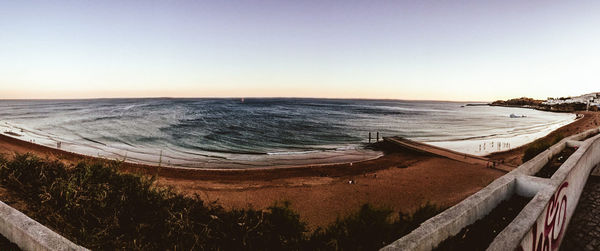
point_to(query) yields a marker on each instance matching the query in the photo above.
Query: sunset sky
(442, 50)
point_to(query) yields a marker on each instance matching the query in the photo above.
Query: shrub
(369, 229)
(98, 207)
(539, 146)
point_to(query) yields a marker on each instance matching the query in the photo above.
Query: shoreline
(587, 121)
(400, 180)
(178, 159)
(175, 159)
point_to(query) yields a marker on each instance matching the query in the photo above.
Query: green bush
(370, 228)
(539, 146)
(98, 207)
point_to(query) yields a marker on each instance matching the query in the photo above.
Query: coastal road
(447, 153)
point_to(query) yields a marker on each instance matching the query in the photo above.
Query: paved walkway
(584, 229)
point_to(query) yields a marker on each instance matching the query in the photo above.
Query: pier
(553, 199)
(446, 153)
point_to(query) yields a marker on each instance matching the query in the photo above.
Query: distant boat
(512, 115)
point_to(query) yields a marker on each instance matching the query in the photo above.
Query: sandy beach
(400, 180)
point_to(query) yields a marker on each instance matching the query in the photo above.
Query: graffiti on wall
(554, 222)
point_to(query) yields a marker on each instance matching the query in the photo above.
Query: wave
(227, 129)
(294, 152)
(93, 141)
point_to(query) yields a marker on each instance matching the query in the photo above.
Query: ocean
(259, 132)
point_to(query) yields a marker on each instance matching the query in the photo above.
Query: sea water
(258, 132)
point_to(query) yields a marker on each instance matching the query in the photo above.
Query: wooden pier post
(369, 137)
(377, 136)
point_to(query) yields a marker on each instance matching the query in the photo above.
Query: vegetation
(98, 207)
(369, 229)
(537, 104)
(539, 146)
(524, 101)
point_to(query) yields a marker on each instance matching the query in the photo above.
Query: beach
(264, 132)
(400, 180)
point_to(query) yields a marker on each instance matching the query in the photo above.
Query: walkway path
(583, 232)
(447, 153)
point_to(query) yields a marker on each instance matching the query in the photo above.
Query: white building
(592, 99)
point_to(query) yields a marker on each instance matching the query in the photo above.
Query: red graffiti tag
(554, 223)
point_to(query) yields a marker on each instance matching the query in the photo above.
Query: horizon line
(242, 97)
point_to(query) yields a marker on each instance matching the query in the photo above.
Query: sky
(418, 50)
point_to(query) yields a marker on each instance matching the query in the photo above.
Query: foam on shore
(178, 158)
(485, 146)
(224, 133)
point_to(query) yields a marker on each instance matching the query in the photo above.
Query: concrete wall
(29, 234)
(556, 210)
(543, 220)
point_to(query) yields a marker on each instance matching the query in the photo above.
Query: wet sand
(589, 121)
(400, 180)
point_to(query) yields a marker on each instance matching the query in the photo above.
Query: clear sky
(443, 50)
